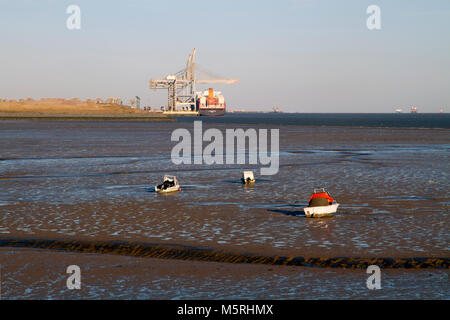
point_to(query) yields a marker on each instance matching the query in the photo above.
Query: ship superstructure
(210, 103)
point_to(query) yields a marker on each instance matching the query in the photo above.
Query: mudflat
(41, 274)
(93, 181)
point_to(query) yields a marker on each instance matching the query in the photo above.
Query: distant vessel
(210, 103)
(276, 110)
(413, 110)
(441, 111)
(398, 110)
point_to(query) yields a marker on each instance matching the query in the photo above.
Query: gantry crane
(181, 86)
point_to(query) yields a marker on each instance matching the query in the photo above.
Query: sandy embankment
(72, 110)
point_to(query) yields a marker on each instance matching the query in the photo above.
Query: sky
(298, 55)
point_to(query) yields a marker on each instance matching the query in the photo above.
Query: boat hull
(211, 112)
(321, 211)
(170, 189)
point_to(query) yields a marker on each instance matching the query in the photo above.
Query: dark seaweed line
(147, 250)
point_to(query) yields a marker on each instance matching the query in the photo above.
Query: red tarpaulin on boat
(321, 195)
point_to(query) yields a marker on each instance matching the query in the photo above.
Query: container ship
(210, 103)
(276, 110)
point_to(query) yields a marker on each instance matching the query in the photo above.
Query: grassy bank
(69, 110)
(82, 117)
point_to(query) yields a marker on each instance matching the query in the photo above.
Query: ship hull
(211, 112)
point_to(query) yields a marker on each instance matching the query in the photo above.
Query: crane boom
(225, 81)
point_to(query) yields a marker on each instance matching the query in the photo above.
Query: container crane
(181, 86)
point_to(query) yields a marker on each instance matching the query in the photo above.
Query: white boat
(248, 177)
(170, 184)
(322, 211)
(321, 204)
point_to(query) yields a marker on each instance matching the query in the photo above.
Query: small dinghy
(321, 204)
(170, 184)
(247, 177)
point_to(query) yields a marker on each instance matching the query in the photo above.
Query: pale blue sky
(300, 55)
